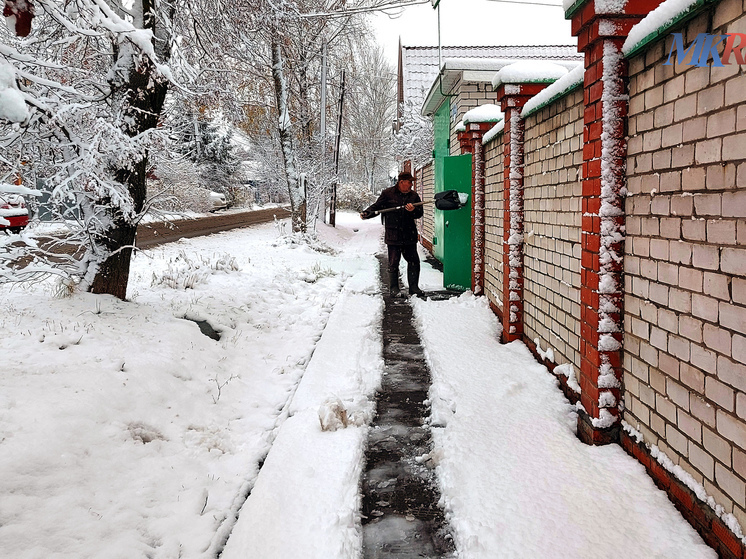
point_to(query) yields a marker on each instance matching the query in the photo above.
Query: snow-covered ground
(127, 433)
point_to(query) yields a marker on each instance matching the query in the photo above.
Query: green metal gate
(452, 241)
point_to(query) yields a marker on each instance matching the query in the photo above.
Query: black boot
(394, 289)
(413, 277)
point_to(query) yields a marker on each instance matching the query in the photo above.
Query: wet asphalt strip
(401, 516)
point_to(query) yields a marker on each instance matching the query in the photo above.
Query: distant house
(418, 66)
(462, 83)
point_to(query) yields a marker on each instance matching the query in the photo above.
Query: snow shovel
(446, 200)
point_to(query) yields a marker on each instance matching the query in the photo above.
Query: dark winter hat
(404, 176)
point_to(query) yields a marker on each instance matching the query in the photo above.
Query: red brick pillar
(600, 37)
(512, 97)
(471, 142)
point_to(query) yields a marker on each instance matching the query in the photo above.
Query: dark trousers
(410, 255)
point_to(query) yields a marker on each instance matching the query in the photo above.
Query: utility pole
(333, 206)
(436, 5)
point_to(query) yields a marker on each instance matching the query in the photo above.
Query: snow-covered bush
(185, 272)
(354, 197)
(305, 239)
(315, 273)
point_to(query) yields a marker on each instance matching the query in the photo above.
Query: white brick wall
(493, 277)
(685, 262)
(467, 96)
(552, 224)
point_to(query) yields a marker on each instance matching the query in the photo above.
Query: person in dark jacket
(401, 230)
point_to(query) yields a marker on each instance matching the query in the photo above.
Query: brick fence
(685, 261)
(628, 205)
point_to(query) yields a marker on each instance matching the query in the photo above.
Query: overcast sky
(474, 22)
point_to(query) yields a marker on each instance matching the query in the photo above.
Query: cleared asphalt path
(401, 516)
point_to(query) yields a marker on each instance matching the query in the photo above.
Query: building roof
(418, 66)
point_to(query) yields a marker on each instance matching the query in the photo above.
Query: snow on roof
(488, 64)
(493, 132)
(484, 113)
(529, 71)
(659, 18)
(559, 88)
(419, 65)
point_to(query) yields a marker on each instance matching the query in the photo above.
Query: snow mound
(335, 414)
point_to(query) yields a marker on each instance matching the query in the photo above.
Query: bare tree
(284, 38)
(369, 119)
(414, 139)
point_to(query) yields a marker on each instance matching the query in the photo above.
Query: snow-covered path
(127, 433)
(515, 480)
(305, 502)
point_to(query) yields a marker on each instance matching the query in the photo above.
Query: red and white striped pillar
(601, 27)
(512, 97)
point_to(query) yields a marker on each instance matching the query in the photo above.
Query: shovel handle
(402, 207)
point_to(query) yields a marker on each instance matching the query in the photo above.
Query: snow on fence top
(529, 71)
(493, 132)
(600, 6)
(460, 127)
(558, 89)
(657, 22)
(483, 113)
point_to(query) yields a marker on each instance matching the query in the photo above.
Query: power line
(527, 3)
(366, 9)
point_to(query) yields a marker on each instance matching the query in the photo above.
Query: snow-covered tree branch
(93, 82)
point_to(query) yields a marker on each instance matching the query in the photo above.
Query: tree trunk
(144, 98)
(297, 196)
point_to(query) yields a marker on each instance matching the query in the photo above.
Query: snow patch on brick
(567, 370)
